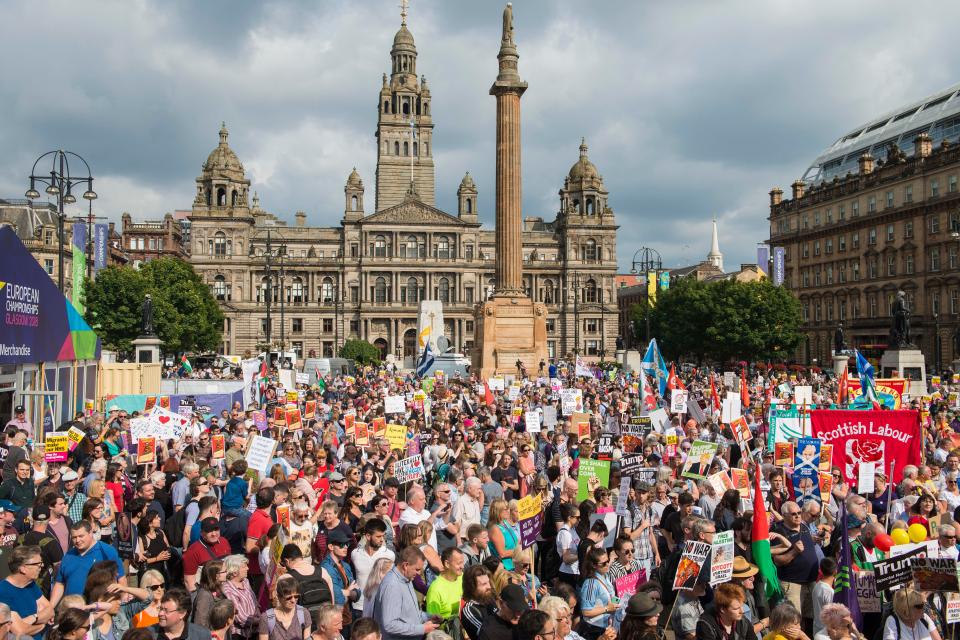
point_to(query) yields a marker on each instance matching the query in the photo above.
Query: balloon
(917, 532)
(900, 536)
(883, 542)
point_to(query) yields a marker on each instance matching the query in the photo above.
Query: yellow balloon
(918, 532)
(900, 536)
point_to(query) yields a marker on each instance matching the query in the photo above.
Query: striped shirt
(75, 505)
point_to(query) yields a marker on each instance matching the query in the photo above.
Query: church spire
(715, 257)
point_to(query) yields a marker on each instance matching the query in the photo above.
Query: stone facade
(365, 277)
(152, 239)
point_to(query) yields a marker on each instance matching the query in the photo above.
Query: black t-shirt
(495, 628)
(805, 567)
(674, 524)
(510, 475)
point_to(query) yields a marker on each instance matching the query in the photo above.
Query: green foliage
(723, 321)
(360, 351)
(185, 315)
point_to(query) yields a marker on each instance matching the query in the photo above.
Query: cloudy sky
(691, 109)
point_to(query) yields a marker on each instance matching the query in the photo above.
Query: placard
(303, 378)
(218, 447)
(292, 417)
(394, 404)
(659, 419)
(287, 379)
(721, 559)
(310, 410)
(260, 420)
(147, 450)
(260, 453)
(953, 610)
(934, 574)
(532, 421)
(623, 494)
(549, 416)
(867, 594)
(826, 457)
(741, 481)
(626, 585)
(513, 392)
(806, 470)
(803, 394)
(362, 434)
(408, 469)
(75, 436)
(125, 535)
(604, 446)
(530, 509)
(396, 435)
(678, 400)
(571, 401)
(496, 383)
(592, 475)
(56, 447)
(866, 477)
(896, 570)
(691, 562)
(699, 460)
(721, 482)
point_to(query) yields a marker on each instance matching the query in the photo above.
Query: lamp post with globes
(60, 183)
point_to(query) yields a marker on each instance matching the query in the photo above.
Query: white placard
(408, 469)
(303, 378)
(287, 379)
(730, 409)
(166, 424)
(659, 419)
(571, 401)
(803, 394)
(549, 416)
(953, 609)
(394, 404)
(513, 392)
(867, 594)
(260, 453)
(495, 384)
(532, 421)
(622, 496)
(866, 477)
(729, 379)
(678, 401)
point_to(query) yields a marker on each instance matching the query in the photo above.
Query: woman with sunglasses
(153, 582)
(287, 620)
(352, 509)
(598, 599)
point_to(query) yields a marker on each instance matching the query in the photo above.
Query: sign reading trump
(879, 437)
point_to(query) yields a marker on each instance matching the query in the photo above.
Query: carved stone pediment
(413, 212)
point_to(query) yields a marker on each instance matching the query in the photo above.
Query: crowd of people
(328, 543)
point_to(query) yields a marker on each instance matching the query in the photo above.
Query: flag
(426, 360)
(844, 585)
(321, 383)
(654, 365)
(466, 406)
(185, 367)
(843, 393)
(714, 396)
(673, 382)
(647, 399)
(744, 390)
(488, 395)
(760, 537)
(869, 387)
(264, 380)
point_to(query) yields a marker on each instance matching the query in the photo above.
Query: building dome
(353, 180)
(583, 169)
(222, 157)
(467, 182)
(403, 37)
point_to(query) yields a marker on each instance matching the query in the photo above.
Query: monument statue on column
(509, 327)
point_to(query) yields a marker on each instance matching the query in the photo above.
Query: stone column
(508, 88)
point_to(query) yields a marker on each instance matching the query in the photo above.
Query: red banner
(880, 437)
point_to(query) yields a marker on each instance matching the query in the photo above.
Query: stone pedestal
(147, 349)
(630, 360)
(907, 363)
(840, 364)
(507, 329)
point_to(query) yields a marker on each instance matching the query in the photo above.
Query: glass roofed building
(878, 212)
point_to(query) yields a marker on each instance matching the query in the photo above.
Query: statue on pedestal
(839, 345)
(900, 326)
(146, 322)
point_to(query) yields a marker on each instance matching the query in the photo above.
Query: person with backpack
(287, 620)
(909, 620)
(316, 586)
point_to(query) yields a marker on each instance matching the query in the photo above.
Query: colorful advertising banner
(869, 436)
(78, 263)
(100, 246)
(779, 265)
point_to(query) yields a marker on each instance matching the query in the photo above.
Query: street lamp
(575, 292)
(270, 254)
(648, 262)
(936, 342)
(60, 184)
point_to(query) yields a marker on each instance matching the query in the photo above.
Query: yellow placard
(397, 436)
(529, 506)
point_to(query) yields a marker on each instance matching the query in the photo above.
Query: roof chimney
(865, 162)
(776, 196)
(798, 188)
(301, 219)
(922, 145)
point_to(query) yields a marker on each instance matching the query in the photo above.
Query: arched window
(590, 291)
(326, 291)
(262, 290)
(220, 290)
(354, 202)
(296, 290)
(379, 247)
(576, 206)
(443, 248)
(380, 290)
(396, 148)
(386, 106)
(443, 291)
(411, 292)
(590, 250)
(426, 108)
(415, 148)
(411, 247)
(406, 103)
(547, 295)
(406, 148)
(219, 244)
(469, 205)
(233, 198)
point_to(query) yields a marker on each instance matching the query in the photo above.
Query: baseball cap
(6, 505)
(336, 476)
(209, 524)
(338, 538)
(514, 597)
(69, 475)
(41, 513)
(18, 409)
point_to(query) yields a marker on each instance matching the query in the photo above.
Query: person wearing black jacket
(723, 619)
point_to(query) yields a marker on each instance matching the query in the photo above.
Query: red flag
(673, 382)
(714, 396)
(744, 390)
(647, 399)
(843, 392)
(488, 395)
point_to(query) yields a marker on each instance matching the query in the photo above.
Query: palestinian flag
(264, 380)
(185, 367)
(761, 541)
(714, 397)
(744, 390)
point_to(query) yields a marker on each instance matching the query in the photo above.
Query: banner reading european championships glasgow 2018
(38, 324)
(869, 436)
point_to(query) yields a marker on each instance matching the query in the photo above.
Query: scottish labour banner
(869, 436)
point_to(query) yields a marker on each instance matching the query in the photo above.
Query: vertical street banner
(763, 258)
(664, 280)
(869, 436)
(79, 263)
(652, 288)
(530, 509)
(779, 265)
(101, 241)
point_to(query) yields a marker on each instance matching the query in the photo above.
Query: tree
(360, 351)
(724, 320)
(185, 315)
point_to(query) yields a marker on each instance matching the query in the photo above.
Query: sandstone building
(365, 277)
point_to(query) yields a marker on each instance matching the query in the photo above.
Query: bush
(361, 352)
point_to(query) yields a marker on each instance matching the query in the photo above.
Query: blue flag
(426, 360)
(867, 385)
(845, 586)
(654, 365)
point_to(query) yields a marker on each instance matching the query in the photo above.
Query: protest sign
(394, 404)
(408, 469)
(720, 481)
(741, 481)
(869, 436)
(622, 495)
(362, 434)
(730, 408)
(310, 410)
(260, 420)
(826, 457)
(571, 401)
(515, 414)
(496, 383)
(75, 436)
(896, 570)
(953, 610)
(659, 419)
(580, 425)
(826, 486)
(866, 476)
(147, 450)
(278, 415)
(803, 394)
(288, 379)
(260, 453)
(626, 585)
(610, 519)
(630, 463)
(699, 460)
(867, 593)
(678, 400)
(396, 435)
(530, 509)
(166, 424)
(513, 392)
(592, 475)
(218, 447)
(721, 559)
(605, 446)
(56, 447)
(292, 416)
(379, 426)
(934, 574)
(691, 562)
(549, 416)
(806, 470)
(672, 439)
(140, 428)
(741, 430)
(303, 378)
(531, 421)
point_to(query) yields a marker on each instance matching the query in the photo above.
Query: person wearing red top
(210, 546)
(394, 506)
(259, 526)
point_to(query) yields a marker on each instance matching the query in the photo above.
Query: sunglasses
(156, 587)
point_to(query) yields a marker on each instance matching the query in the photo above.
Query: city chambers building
(878, 212)
(365, 278)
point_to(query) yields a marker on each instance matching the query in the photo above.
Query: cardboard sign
(935, 574)
(260, 453)
(218, 447)
(408, 469)
(532, 421)
(867, 593)
(699, 460)
(146, 450)
(626, 586)
(530, 509)
(691, 562)
(896, 570)
(396, 435)
(592, 475)
(394, 404)
(659, 419)
(678, 400)
(721, 560)
(56, 447)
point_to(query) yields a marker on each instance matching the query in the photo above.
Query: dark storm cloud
(690, 109)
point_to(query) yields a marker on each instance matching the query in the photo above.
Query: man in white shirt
(468, 507)
(416, 512)
(947, 537)
(366, 554)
